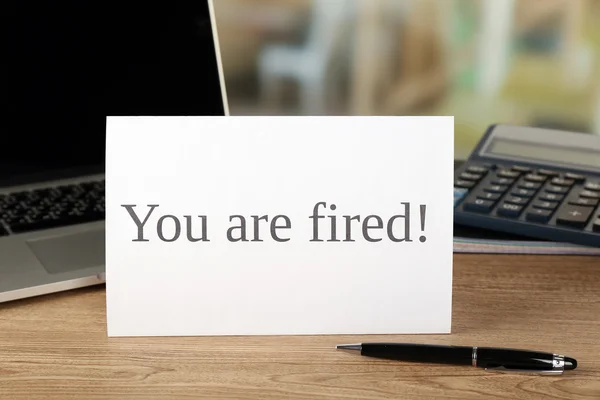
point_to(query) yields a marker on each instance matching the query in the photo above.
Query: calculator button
(465, 176)
(547, 172)
(516, 200)
(496, 189)
(596, 226)
(479, 205)
(562, 182)
(520, 168)
(589, 194)
(538, 215)
(489, 196)
(510, 210)
(508, 174)
(523, 192)
(476, 169)
(575, 177)
(574, 216)
(582, 201)
(594, 186)
(546, 205)
(552, 197)
(535, 178)
(503, 181)
(464, 184)
(556, 189)
(529, 185)
(459, 194)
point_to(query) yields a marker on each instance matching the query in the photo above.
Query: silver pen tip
(349, 347)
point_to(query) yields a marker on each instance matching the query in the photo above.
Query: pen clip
(558, 367)
(505, 370)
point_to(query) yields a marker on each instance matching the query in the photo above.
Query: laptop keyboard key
(53, 207)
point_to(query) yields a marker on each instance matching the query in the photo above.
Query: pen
(489, 358)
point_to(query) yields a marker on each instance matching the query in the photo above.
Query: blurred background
(530, 62)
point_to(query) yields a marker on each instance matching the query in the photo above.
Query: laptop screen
(71, 63)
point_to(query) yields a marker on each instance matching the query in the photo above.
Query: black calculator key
(476, 169)
(589, 194)
(489, 196)
(508, 174)
(538, 215)
(464, 184)
(557, 189)
(530, 185)
(516, 200)
(523, 192)
(575, 177)
(465, 176)
(459, 194)
(596, 225)
(552, 197)
(582, 201)
(535, 178)
(496, 189)
(593, 186)
(574, 216)
(520, 168)
(510, 210)
(547, 172)
(545, 205)
(562, 182)
(502, 181)
(479, 205)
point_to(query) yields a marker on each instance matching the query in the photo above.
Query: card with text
(279, 225)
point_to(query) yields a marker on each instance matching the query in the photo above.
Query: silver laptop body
(72, 64)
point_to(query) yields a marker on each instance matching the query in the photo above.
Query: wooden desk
(56, 347)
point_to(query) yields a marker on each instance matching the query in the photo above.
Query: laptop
(70, 64)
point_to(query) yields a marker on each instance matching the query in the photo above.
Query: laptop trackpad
(70, 252)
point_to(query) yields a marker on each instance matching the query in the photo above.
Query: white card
(386, 274)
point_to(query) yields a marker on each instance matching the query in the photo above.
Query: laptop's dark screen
(71, 63)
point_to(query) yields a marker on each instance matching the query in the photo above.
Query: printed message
(258, 228)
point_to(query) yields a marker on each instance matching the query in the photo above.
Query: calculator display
(545, 153)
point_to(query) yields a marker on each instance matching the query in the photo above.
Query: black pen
(489, 358)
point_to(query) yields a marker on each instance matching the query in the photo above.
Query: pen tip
(349, 347)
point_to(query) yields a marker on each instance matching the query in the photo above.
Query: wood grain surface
(56, 347)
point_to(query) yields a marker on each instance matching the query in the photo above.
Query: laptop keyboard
(54, 207)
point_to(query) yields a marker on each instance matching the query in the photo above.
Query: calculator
(533, 182)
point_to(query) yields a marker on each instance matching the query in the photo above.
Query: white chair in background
(309, 65)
